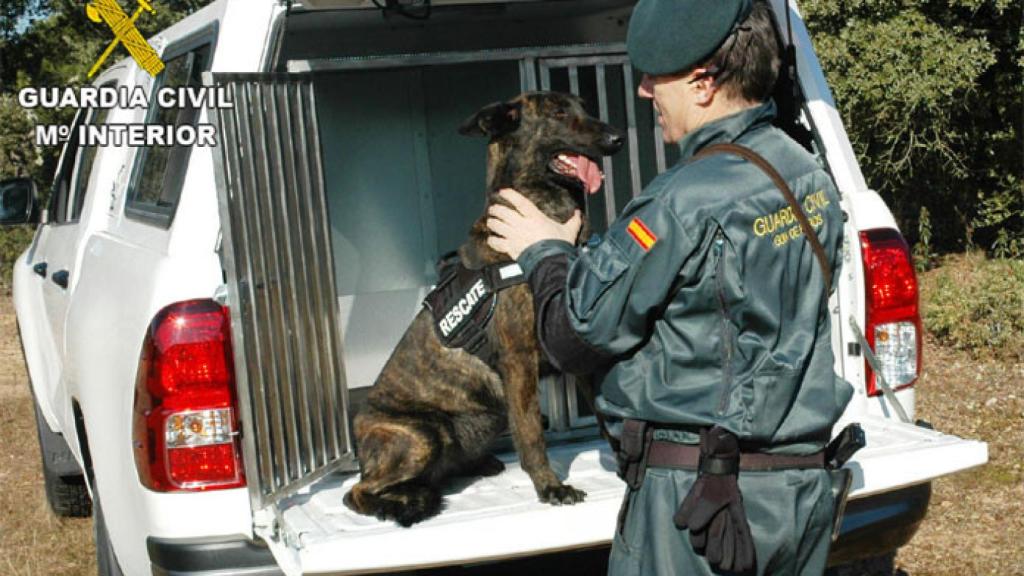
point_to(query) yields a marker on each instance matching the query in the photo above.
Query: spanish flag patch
(641, 234)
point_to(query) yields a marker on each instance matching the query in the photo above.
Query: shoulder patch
(641, 234)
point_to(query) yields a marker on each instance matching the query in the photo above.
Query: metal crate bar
(280, 279)
(275, 246)
(441, 58)
(528, 74)
(326, 293)
(659, 142)
(297, 169)
(570, 68)
(280, 127)
(634, 153)
(606, 162)
(255, 283)
(231, 181)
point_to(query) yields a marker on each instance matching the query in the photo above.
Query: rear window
(85, 162)
(160, 170)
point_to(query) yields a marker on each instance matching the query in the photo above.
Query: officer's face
(679, 100)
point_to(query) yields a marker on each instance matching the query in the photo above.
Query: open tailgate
(899, 455)
(500, 517)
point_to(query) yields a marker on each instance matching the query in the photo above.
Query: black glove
(713, 509)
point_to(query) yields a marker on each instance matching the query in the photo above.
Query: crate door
(276, 251)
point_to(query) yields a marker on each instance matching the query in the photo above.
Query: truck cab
(200, 323)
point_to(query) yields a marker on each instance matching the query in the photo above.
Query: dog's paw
(488, 466)
(406, 504)
(561, 494)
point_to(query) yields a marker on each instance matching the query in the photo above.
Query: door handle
(40, 269)
(60, 279)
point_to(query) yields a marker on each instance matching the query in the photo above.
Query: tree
(51, 43)
(57, 47)
(17, 14)
(931, 95)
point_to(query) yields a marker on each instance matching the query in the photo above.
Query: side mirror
(19, 202)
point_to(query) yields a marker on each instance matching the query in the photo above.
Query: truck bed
(319, 534)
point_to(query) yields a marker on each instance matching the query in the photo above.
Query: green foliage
(976, 304)
(931, 92)
(13, 241)
(61, 45)
(18, 155)
(51, 43)
(932, 95)
(15, 14)
(57, 48)
(924, 257)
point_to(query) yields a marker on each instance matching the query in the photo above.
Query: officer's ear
(493, 120)
(704, 85)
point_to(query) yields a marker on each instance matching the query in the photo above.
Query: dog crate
(403, 187)
(347, 177)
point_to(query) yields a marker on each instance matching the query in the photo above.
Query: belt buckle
(717, 466)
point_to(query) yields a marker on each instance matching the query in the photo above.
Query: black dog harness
(464, 300)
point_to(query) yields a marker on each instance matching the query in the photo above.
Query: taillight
(185, 423)
(893, 318)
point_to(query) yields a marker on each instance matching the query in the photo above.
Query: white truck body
(83, 346)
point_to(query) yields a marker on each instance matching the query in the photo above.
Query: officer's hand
(515, 229)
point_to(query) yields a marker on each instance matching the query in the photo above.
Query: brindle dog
(434, 411)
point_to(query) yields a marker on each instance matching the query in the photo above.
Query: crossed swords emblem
(125, 32)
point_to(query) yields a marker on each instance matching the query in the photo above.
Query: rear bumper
(880, 524)
(236, 555)
(872, 526)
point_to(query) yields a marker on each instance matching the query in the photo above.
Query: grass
(975, 522)
(976, 304)
(13, 241)
(32, 540)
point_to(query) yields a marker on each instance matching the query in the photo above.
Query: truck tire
(106, 560)
(66, 491)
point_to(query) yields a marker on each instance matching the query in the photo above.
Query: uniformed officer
(704, 309)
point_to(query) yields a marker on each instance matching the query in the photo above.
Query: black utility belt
(666, 454)
(713, 510)
(637, 450)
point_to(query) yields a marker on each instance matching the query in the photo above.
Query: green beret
(669, 36)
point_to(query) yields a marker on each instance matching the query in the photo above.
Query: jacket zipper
(723, 310)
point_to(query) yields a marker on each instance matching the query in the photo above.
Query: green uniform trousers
(790, 515)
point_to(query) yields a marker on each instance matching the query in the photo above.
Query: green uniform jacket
(709, 299)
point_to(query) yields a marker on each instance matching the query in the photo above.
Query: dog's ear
(493, 120)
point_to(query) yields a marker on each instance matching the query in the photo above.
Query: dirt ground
(32, 540)
(975, 524)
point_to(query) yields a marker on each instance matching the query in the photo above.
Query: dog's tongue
(587, 171)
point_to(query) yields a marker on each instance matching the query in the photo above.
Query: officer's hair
(747, 63)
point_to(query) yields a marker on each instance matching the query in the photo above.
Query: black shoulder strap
(503, 275)
(759, 161)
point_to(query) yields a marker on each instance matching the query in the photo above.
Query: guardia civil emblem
(125, 32)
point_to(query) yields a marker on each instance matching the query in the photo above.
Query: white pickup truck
(200, 323)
